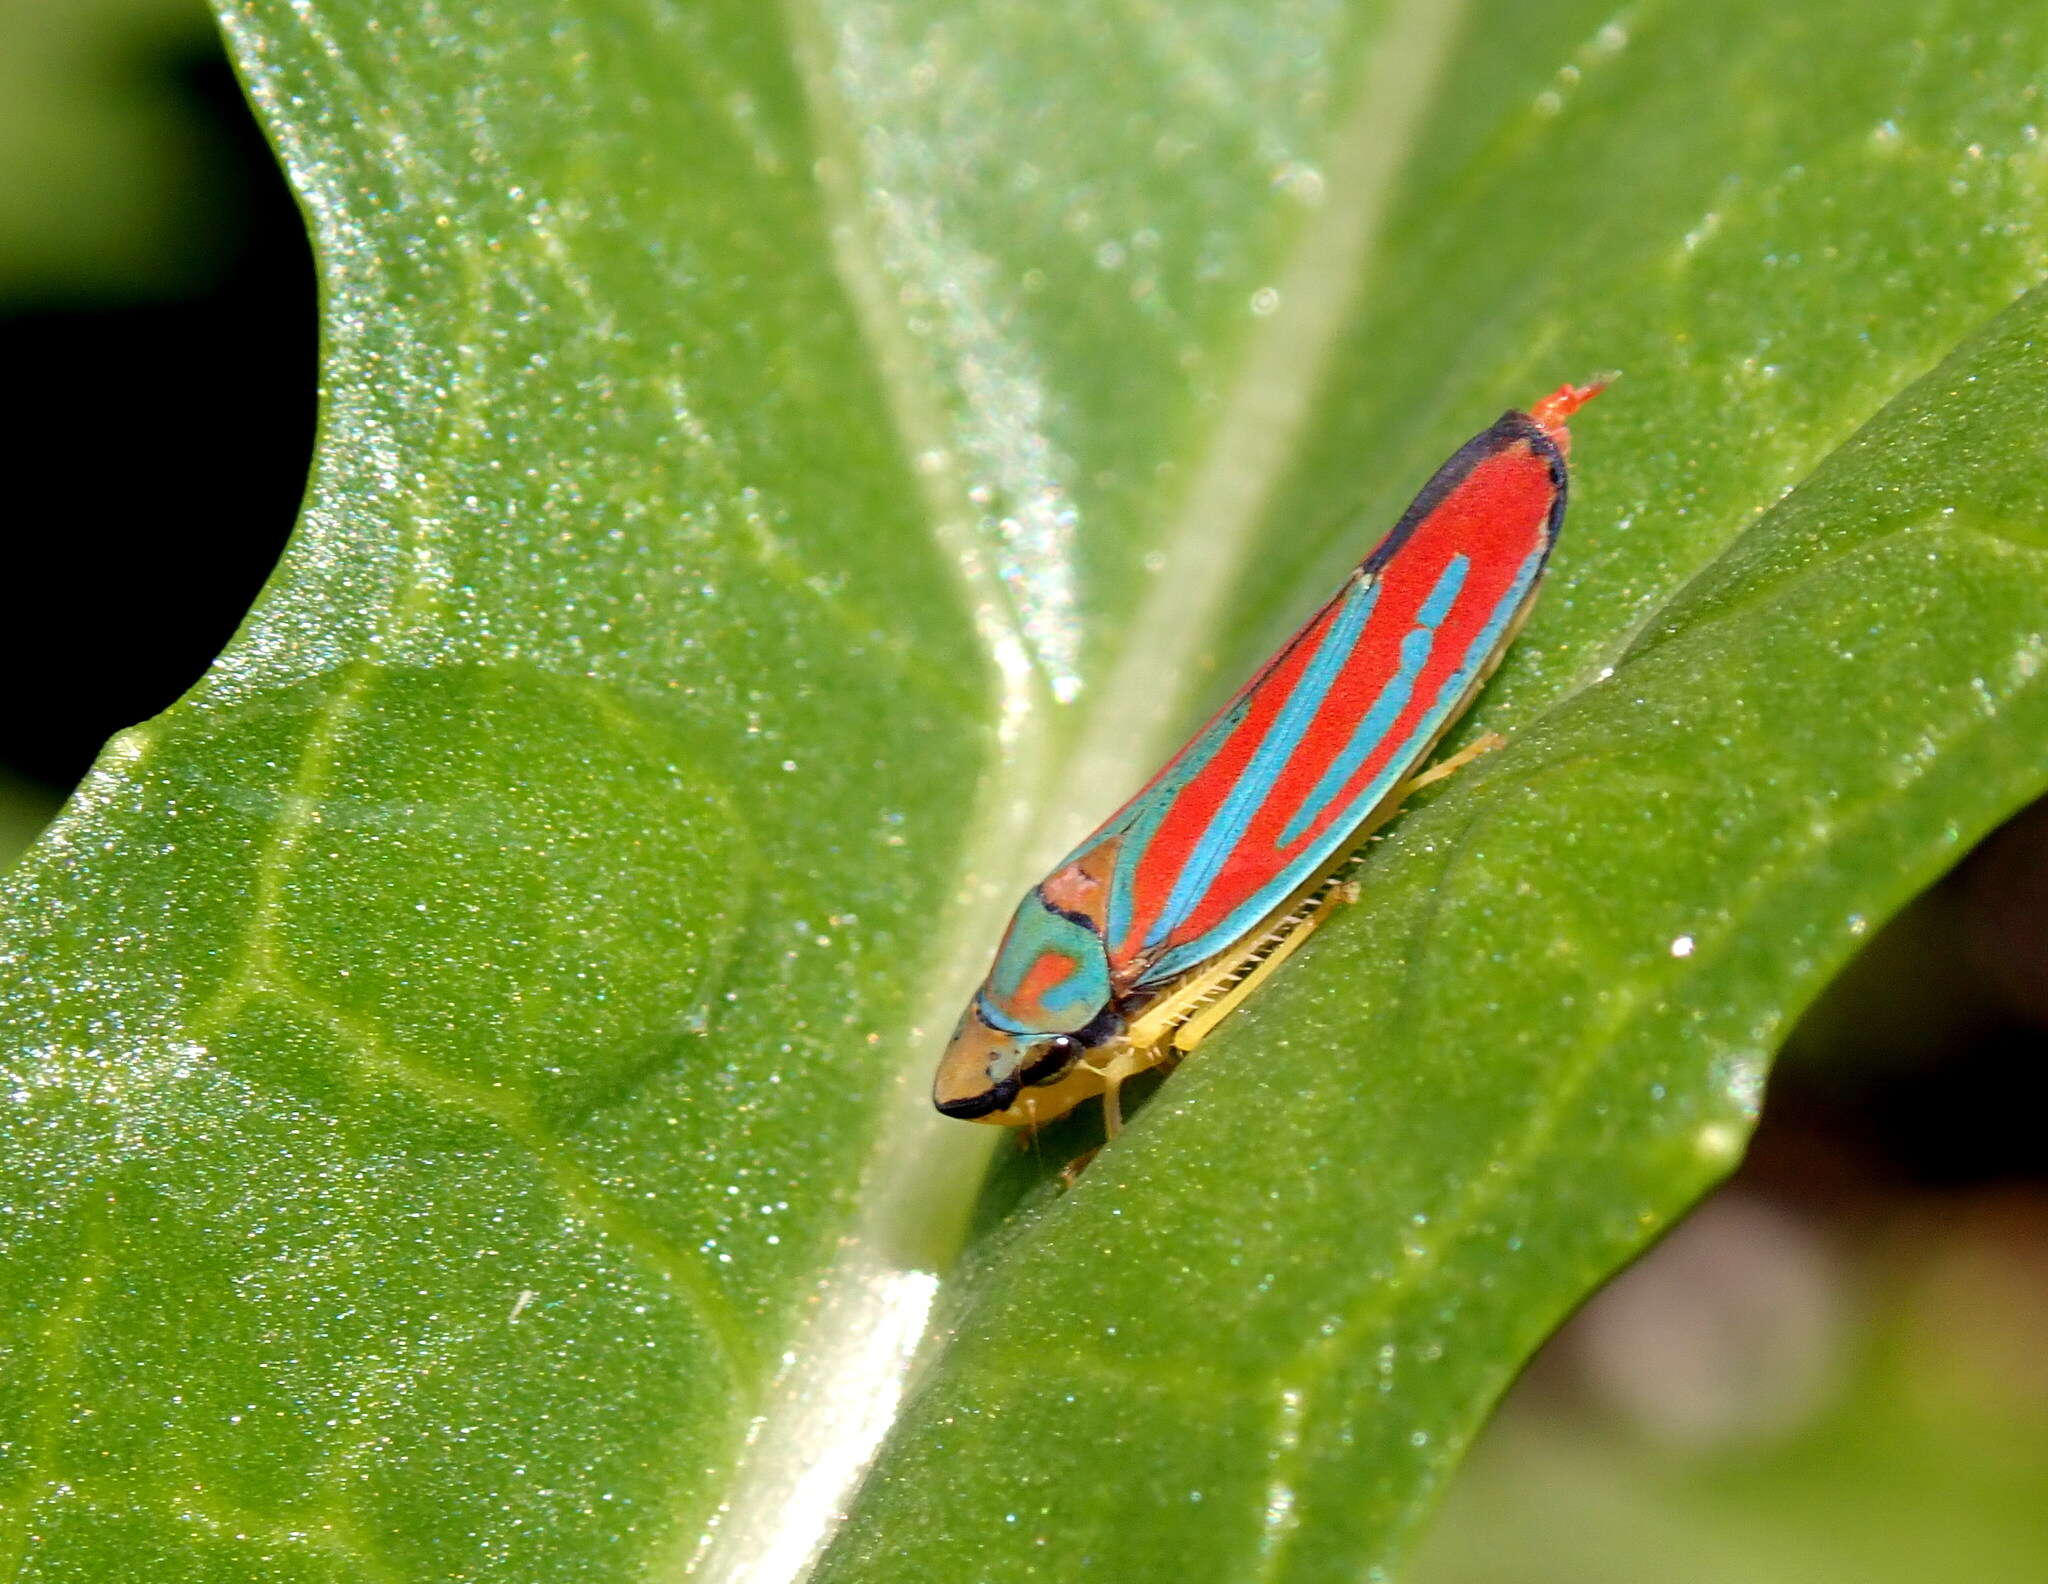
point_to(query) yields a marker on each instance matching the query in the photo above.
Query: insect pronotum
(1157, 925)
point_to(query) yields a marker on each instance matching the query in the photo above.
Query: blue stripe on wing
(1327, 848)
(1142, 817)
(1374, 725)
(1283, 736)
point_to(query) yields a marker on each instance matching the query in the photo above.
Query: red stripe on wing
(1497, 520)
(1177, 834)
(1496, 516)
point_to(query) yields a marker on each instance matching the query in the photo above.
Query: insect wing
(1270, 792)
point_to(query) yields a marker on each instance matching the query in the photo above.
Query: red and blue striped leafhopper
(1154, 928)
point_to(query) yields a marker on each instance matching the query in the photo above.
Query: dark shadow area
(160, 448)
(1925, 1060)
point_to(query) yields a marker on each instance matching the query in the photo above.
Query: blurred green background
(1833, 1371)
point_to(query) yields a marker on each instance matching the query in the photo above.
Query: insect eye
(1052, 1060)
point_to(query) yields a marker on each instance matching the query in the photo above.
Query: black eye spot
(1054, 1057)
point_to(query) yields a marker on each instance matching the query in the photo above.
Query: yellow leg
(1123, 1066)
(1450, 766)
(1177, 1039)
(1197, 1028)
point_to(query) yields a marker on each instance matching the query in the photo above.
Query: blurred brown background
(1837, 1370)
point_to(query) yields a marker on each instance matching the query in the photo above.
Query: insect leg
(1450, 766)
(1071, 1172)
(1196, 1029)
(1127, 1063)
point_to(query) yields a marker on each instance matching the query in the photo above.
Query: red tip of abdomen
(1551, 412)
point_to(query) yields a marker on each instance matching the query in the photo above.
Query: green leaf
(1258, 1335)
(1255, 1339)
(783, 474)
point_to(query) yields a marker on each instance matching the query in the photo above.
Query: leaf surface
(1786, 670)
(783, 474)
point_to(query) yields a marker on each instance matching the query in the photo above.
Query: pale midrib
(918, 1184)
(921, 1161)
(895, 1202)
(1260, 426)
